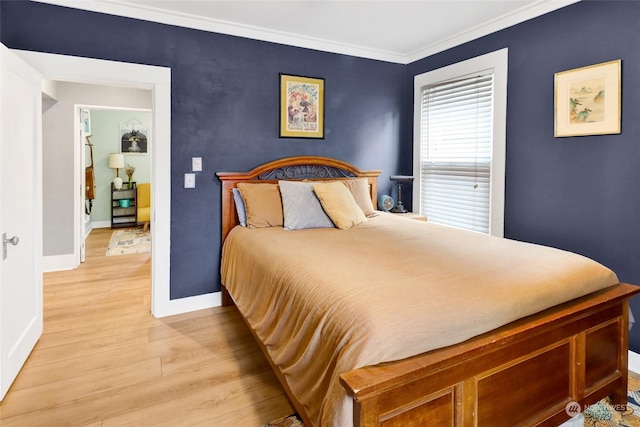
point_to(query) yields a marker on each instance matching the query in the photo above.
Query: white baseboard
(58, 263)
(185, 305)
(101, 224)
(634, 362)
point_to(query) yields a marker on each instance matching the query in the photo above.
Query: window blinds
(456, 138)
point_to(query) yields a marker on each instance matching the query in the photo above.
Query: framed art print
(86, 120)
(301, 107)
(587, 100)
(133, 139)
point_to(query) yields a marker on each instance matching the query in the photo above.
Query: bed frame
(525, 373)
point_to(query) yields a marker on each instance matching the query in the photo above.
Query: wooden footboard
(525, 373)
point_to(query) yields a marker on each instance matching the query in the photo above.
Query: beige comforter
(325, 301)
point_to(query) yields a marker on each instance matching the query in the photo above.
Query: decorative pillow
(359, 188)
(338, 203)
(300, 206)
(263, 205)
(240, 209)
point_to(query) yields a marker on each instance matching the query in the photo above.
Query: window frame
(498, 62)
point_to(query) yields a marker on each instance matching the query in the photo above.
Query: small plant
(129, 171)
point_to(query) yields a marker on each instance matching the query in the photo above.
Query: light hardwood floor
(103, 360)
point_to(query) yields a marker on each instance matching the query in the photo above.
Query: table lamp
(116, 161)
(399, 179)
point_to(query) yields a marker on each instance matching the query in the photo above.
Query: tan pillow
(263, 205)
(359, 188)
(338, 203)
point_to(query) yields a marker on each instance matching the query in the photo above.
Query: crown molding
(148, 13)
(518, 16)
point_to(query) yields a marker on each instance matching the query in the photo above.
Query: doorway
(103, 138)
(158, 80)
(101, 142)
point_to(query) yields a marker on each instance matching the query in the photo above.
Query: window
(459, 144)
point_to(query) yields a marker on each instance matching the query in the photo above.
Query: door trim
(158, 80)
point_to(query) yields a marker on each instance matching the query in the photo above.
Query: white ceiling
(397, 31)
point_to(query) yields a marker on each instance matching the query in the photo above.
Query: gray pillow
(240, 209)
(301, 208)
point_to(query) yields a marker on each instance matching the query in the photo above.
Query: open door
(20, 214)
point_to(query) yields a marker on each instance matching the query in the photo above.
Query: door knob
(14, 241)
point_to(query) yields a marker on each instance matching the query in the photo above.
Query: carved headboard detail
(306, 172)
(290, 168)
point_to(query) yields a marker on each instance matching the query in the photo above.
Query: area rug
(289, 421)
(129, 241)
(601, 414)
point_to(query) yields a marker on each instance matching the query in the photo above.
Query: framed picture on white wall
(85, 118)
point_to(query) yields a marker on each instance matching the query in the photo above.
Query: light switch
(189, 180)
(196, 164)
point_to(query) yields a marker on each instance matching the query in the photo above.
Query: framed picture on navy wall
(301, 107)
(587, 100)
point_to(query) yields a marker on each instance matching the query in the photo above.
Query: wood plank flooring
(103, 360)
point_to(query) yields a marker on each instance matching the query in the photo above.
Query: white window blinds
(456, 149)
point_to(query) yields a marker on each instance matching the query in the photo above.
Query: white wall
(58, 155)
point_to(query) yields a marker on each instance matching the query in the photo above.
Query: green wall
(105, 136)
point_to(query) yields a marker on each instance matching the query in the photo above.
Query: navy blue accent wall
(578, 193)
(225, 109)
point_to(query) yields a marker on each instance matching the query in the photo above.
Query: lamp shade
(396, 178)
(116, 161)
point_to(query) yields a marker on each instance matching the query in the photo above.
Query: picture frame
(587, 100)
(133, 138)
(301, 107)
(86, 120)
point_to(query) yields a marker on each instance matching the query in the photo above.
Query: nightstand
(413, 215)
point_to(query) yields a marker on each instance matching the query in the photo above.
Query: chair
(144, 204)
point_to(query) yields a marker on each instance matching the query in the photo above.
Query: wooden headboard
(290, 168)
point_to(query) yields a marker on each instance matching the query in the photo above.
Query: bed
(500, 358)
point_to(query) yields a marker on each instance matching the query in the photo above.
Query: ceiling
(390, 30)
